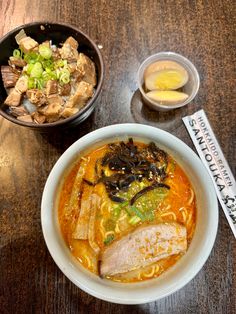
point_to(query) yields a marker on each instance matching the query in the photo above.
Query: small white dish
(178, 275)
(190, 88)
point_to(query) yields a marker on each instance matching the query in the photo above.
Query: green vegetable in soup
(134, 220)
(109, 239)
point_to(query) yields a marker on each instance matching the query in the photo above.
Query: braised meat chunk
(25, 118)
(14, 98)
(69, 49)
(17, 62)
(36, 96)
(86, 69)
(68, 112)
(22, 84)
(52, 112)
(51, 87)
(82, 94)
(27, 44)
(72, 42)
(9, 76)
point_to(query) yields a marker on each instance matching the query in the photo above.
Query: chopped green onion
(134, 220)
(52, 74)
(148, 215)
(109, 239)
(64, 79)
(48, 64)
(21, 53)
(37, 70)
(31, 83)
(41, 67)
(45, 51)
(31, 57)
(129, 213)
(39, 83)
(59, 63)
(138, 213)
(65, 71)
(45, 76)
(64, 76)
(16, 53)
(29, 68)
(58, 74)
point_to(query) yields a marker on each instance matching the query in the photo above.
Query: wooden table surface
(129, 31)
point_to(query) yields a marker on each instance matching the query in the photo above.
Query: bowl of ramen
(51, 75)
(129, 213)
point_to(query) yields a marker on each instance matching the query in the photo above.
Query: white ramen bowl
(175, 277)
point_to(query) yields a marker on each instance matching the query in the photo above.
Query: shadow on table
(61, 139)
(83, 303)
(32, 283)
(21, 268)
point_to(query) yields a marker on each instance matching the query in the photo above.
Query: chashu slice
(143, 247)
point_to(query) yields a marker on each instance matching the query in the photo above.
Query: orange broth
(179, 205)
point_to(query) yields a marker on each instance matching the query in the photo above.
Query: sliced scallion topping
(109, 239)
(29, 68)
(64, 79)
(39, 83)
(138, 213)
(16, 53)
(134, 220)
(41, 67)
(31, 57)
(37, 70)
(59, 63)
(31, 83)
(45, 51)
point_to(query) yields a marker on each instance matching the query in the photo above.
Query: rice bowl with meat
(46, 83)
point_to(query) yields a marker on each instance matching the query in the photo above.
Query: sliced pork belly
(143, 247)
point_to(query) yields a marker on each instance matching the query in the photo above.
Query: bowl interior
(177, 276)
(190, 88)
(58, 33)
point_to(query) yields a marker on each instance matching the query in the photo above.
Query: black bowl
(58, 33)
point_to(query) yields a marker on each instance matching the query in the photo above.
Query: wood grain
(129, 31)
